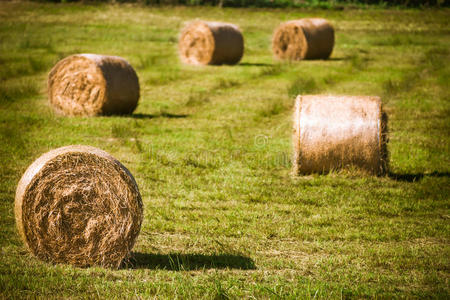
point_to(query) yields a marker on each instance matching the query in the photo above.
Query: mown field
(210, 148)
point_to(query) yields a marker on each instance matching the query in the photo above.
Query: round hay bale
(91, 85)
(78, 205)
(303, 39)
(211, 43)
(331, 132)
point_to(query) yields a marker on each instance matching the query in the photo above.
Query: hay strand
(91, 85)
(78, 205)
(303, 39)
(211, 43)
(332, 132)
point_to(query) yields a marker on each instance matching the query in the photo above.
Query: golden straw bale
(211, 43)
(303, 39)
(78, 205)
(331, 132)
(91, 85)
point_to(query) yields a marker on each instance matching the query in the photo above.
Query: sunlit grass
(210, 149)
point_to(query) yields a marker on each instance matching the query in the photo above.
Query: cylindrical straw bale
(78, 205)
(331, 132)
(91, 85)
(303, 39)
(211, 43)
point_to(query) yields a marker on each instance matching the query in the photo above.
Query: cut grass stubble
(221, 220)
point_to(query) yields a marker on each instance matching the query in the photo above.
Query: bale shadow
(187, 262)
(416, 177)
(161, 115)
(338, 58)
(256, 64)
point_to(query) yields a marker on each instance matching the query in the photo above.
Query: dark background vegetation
(281, 3)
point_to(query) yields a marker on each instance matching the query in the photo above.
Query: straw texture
(303, 39)
(211, 43)
(332, 132)
(78, 205)
(91, 85)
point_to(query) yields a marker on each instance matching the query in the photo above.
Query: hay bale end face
(78, 205)
(91, 85)
(332, 132)
(303, 39)
(211, 43)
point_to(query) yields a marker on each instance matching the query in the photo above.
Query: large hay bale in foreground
(78, 205)
(211, 43)
(303, 39)
(91, 84)
(331, 132)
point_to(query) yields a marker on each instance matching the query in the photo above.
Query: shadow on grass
(416, 177)
(186, 262)
(161, 115)
(245, 64)
(338, 58)
(256, 64)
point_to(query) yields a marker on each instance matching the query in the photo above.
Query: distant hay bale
(211, 43)
(78, 205)
(331, 132)
(91, 85)
(303, 39)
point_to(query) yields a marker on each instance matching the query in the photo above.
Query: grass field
(210, 149)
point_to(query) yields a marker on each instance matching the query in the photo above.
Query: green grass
(210, 150)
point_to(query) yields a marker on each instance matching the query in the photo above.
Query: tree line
(279, 3)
